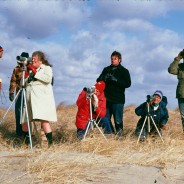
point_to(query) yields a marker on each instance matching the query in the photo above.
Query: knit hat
(1, 49)
(100, 86)
(24, 54)
(159, 93)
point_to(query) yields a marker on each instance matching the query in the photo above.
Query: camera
(182, 53)
(24, 60)
(150, 98)
(90, 90)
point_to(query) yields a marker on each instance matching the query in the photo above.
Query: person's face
(36, 61)
(157, 99)
(97, 92)
(1, 54)
(115, 60)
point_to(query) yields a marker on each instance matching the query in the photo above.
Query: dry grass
(64, 162)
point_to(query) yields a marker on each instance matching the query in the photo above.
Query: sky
(78, 37)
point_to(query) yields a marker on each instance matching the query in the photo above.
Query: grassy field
(64, 161)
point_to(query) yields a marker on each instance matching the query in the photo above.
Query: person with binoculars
(177, 68)
(117, 79)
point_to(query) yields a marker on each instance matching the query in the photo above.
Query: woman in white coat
(39, 94)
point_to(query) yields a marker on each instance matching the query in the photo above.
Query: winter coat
(83, 113)
(39, 95)
(177, 68)
(15, 81)
(160, 116)
(115, 90)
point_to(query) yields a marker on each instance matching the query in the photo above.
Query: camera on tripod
(23, 60)
(150, 98)
(89, 91)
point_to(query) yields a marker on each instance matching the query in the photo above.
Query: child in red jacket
(98, 101)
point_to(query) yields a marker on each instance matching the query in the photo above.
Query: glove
(95, 102)
(11, 96)
(112, 78)
(31, 67)
(26, 74)
(0, 85)
(31, 77)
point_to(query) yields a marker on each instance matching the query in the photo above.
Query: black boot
(49, 138)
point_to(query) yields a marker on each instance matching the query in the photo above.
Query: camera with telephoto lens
(182, 53)
(150, 98)
(23, 61)
(90, 90)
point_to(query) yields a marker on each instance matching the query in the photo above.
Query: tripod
(23, 102)
(149, 117)
(92, 121)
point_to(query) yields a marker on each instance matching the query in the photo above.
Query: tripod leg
(157, 129)
(28, 123)
(100, 130)
(9, 107)
(87, 128)
(142, 129)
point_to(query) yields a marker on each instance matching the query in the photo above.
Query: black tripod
(91, 123)
(23, 103)
(148, 118)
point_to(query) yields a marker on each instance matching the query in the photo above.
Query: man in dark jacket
(158, 111)
(116, 78)
(177, 68)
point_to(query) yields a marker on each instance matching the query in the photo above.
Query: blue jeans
(181, 108)
(17, 115)
(115, 110)
(105, 123)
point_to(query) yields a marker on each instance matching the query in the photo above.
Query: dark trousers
(181, 108)
(17, 115)
(115, 110)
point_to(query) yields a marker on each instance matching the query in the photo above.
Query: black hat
(24, 54)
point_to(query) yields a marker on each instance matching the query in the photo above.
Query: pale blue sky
(79, 36)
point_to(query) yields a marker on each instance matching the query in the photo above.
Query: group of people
(104, 100)
(110, 93)
(31, 81)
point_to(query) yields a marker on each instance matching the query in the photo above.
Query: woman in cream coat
(39, 94)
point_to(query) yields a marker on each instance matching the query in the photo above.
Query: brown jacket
(15, 80)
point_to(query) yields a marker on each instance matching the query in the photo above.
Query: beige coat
(39, 96)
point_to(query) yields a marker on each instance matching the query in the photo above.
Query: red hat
(100, 86)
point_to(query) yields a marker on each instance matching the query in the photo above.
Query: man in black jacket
(117, 78)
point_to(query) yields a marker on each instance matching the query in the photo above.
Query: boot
(49, 138)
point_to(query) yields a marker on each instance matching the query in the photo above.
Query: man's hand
(11, 96)
(0, 85)
(31, 67)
